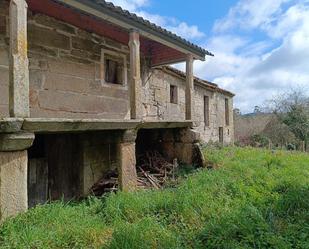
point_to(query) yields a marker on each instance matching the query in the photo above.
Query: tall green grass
(255, 199)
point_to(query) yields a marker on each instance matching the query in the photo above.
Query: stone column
(127, 161)
(189, 88)
(19, 72)
(135, 82)
(13, 173)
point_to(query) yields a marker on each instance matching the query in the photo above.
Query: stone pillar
(13, 184)
(189, 88)
(127, 161)
(135, 82)
(19, 72)
(13, 173)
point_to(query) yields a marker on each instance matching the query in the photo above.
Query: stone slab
(78, 103)
(50, 125)
(16, 141)
(165, 124)
(46, 37)
(189, 136)
(70, 125)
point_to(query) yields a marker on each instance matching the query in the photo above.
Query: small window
(227, 112)
(206, 110)
(113, 72)
(113, 68)
(173, 94)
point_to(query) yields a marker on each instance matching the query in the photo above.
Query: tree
(257, 109)
(279, 133)
(292, 109)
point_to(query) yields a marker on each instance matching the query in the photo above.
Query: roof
(150, 25)
(203, 83)
(140, 23)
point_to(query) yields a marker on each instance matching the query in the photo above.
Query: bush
(259, 141)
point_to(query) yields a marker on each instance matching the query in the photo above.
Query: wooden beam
(19, 71)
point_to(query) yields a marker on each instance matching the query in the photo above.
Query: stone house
(84, 87)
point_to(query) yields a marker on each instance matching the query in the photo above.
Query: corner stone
(16, 141)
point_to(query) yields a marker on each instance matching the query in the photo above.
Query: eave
(104, 19)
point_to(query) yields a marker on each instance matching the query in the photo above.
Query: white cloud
(256, 70)
(251, 14)
(182, 29)
(186, 31)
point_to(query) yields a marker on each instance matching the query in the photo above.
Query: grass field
(254, 199)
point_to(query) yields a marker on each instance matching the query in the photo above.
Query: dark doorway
(221, 139)
(63, 160)
(37, 173)
(53, 168)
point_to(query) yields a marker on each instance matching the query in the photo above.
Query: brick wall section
(4, 59)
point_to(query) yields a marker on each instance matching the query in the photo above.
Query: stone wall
(158, 107)
(216, 116)
(99, 156)
(65, 79)
(156, 100)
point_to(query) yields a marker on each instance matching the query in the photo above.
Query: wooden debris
(154, 170)
(105, 185)
(154, 182)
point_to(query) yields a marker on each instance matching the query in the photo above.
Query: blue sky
(261, 47)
